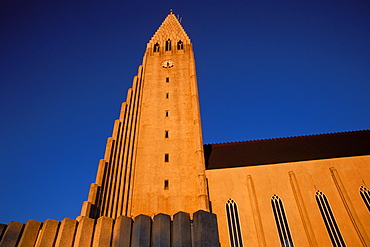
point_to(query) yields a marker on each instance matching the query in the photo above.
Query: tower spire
(170, 29)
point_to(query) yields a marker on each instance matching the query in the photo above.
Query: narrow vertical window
(233, 224)
(365, 194)
(167, 79)
(166, 157)
(168, 45)
(156, 47)
(166, 134)
(167, 113)
(167, 95)
(166, 184)
(180, 45)
(281, 222)
(329, 220)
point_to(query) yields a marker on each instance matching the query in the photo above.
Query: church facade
(295, 191)
(298, 191)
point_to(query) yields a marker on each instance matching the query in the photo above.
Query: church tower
(154, 161)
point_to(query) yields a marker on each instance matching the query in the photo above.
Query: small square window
(166, 184)
(167, 79)
(166, 157)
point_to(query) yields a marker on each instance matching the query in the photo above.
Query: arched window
(233, 224)
(180, 45)
(168, 45)
(281, 222)
(329, 220)
(156, 47)
(365, 194)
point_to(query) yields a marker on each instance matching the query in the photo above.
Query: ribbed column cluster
(142, 231)
(110, 195)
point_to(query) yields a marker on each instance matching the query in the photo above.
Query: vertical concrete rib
(256, 212)
(111, 169)
(350, 208)
(302, 210)
(102, 187)
(66, 233)
(108, 148)
(48, 234)
(127, 148)
(122, 113)
(141, 231)
(103, 232)
(104, 182)
(129, 140)
(86, 209)
(122, 232)
(114, 170)
(205, 229)
(161, 231)
(100, 173)
(84, 233)
(121, 164)
(124, 160)
(30, 232)
(105, 191)
(181, 233)
(131, 170)
(93, 193)
(203, 200)
(12, 234)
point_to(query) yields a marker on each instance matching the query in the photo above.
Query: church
(161, 186)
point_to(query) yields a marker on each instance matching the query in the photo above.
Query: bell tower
(154, 161)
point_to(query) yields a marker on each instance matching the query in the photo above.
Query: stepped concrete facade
(295, 191)
(154, 161)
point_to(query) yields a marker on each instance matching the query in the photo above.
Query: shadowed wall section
(141, 231)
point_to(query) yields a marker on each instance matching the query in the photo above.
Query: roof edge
(289, 137)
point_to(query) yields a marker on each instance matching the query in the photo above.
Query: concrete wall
(141, 231)
(296, 184)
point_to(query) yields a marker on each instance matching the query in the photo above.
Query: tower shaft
(154, 161)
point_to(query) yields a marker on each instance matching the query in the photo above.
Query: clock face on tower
(168, 64)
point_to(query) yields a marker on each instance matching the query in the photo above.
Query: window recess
(281, 222)
(329, 220)
(168, 45)
(233, 223)
(365, 195)
(156, 47)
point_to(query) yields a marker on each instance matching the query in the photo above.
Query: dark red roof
(289, 149)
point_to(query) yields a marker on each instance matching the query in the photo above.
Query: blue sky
(265, 69)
